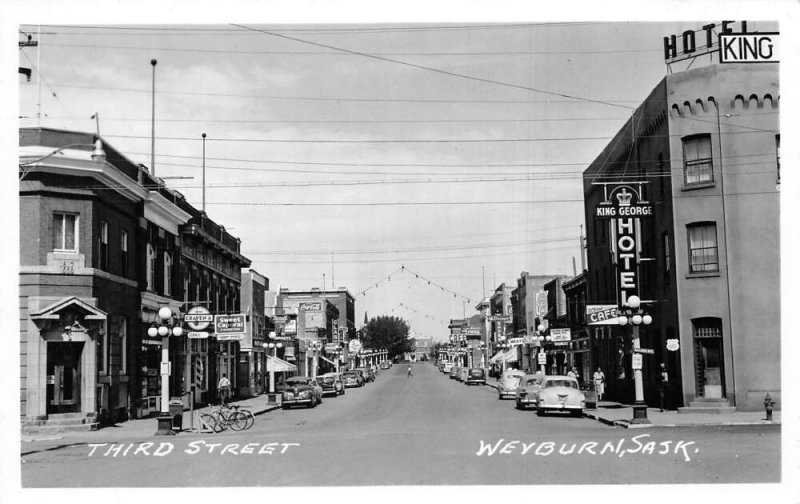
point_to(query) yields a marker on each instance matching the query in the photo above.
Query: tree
(390, 333)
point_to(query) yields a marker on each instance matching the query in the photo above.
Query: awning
(496, 357)
(279, 365)
(509, 355)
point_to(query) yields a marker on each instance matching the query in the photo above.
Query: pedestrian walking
(663, 386)
(409, 372)
(599, 383)
(573, 373)
(224, 389)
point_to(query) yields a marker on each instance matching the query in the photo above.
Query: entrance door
(64, 377)
(710, 368)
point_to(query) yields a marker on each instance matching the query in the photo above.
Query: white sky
(249, 85)
(268, 101)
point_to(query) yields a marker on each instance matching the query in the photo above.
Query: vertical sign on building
(627, 259)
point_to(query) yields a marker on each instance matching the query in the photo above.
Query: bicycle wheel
(237, 420)
(210, 421)
(251, 418)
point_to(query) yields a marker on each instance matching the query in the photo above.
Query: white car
(448, 366)
(507, 385)
(560, 393)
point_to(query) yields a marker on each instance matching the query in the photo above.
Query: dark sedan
(353, 379)
(302, 391)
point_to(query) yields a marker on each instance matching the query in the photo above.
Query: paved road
(426, 429)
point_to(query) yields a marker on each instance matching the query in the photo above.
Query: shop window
(667, 255)
(123, 343)
(703, 253)
(65, 232)
(698, 167)
(709, 362)
(123, 252)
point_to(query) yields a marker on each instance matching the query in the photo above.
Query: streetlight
(632, 314)
(165, 328)
(274, 347)
(540, 341)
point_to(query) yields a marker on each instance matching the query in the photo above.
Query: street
(399, 430)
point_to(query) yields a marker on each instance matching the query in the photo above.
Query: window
(665, 242)
(697, 165)
(151, 268)
(778, 156)
(123, 253)
(123, 343)
(102, 348)
(702, 238)
(167, 274)
(102, 246)
(65, 232)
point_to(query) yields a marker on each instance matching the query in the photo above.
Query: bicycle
(221, 418)
(249, 416)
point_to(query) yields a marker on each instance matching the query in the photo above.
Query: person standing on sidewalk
(599, 383)
(663, 387)
(224, 389)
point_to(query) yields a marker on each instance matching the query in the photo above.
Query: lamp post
(632, 314)
(274, 347)
(165, 328)
(540, 340)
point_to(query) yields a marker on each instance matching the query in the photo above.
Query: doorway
(708, 359)
(64, 377)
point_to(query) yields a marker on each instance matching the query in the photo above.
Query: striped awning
(509, 355)
(279, 365)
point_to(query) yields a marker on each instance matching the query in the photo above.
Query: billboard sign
(198, 318)
(229, 324)
(311, 306)
(559, 335)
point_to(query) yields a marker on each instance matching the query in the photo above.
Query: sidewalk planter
(176, 412)
(273, 398)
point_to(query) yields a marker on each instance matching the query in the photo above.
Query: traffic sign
(673, 344)
(542, 358)
(198, 318)
(636, 361)
(648, 351)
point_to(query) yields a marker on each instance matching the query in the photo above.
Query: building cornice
(162, 212)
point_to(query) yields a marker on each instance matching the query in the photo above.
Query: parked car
(454, 372)
(448, 366)
(367, 373)
(353, 379)
(301, 390)
(560, 393)
(525, 393)
(476, 376)
(332, 384)
(463, 372)
(386, 365)
(507, 385)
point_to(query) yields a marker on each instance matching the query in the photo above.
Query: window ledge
(699, 185)
(703, 274)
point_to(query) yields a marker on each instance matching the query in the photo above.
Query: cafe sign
(602, 315)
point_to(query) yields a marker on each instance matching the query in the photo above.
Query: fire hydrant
(768, 404)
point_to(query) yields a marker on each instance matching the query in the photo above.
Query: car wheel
(577, 413)
(539, 411)
(519, 405)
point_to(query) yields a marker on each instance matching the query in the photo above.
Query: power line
(354, 121)
(435, 70)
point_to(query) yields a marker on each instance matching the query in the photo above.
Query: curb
(627, 425)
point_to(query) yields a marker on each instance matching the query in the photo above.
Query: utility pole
(204, 172)
(153, 62)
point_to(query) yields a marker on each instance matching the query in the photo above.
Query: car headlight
(304, 393)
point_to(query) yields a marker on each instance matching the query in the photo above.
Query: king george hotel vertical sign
(623, 205)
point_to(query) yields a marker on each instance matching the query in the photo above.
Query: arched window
(151, 268)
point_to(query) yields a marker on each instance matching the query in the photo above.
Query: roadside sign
(560, 335)
(636, 361)
(500, 318)
(648, 351)
(229, 327)
(602, 315)
(198, 318)
(673, 345)
(515, 341)
(354, 346)
(331, 347)
(197, 334)
(542, 358)
(280, 319)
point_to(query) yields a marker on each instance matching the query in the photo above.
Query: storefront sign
(623, 201)
(198, 318)
(541, 304)
(197, 334)
(648, 351)
(500, 318)
(230, 337)
(280, 319)
(516, 341)
(473, 331)
(602, 315)
(560, 335)
(331, 347)
(542, 358)
(354, 346)
(228, 324)
(314, 306)
(748, 48)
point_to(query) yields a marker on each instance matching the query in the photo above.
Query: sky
(419, 164)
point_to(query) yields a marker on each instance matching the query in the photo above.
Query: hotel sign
(731, 47)
(623, 201)
(748, 48)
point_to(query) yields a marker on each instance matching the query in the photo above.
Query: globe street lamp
(274, 347)
(165, 328)
(632, 314)
(540, 341)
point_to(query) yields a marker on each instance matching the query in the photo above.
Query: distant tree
(390, 333)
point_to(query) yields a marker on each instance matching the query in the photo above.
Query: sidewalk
(620, 415)
(146, 427)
